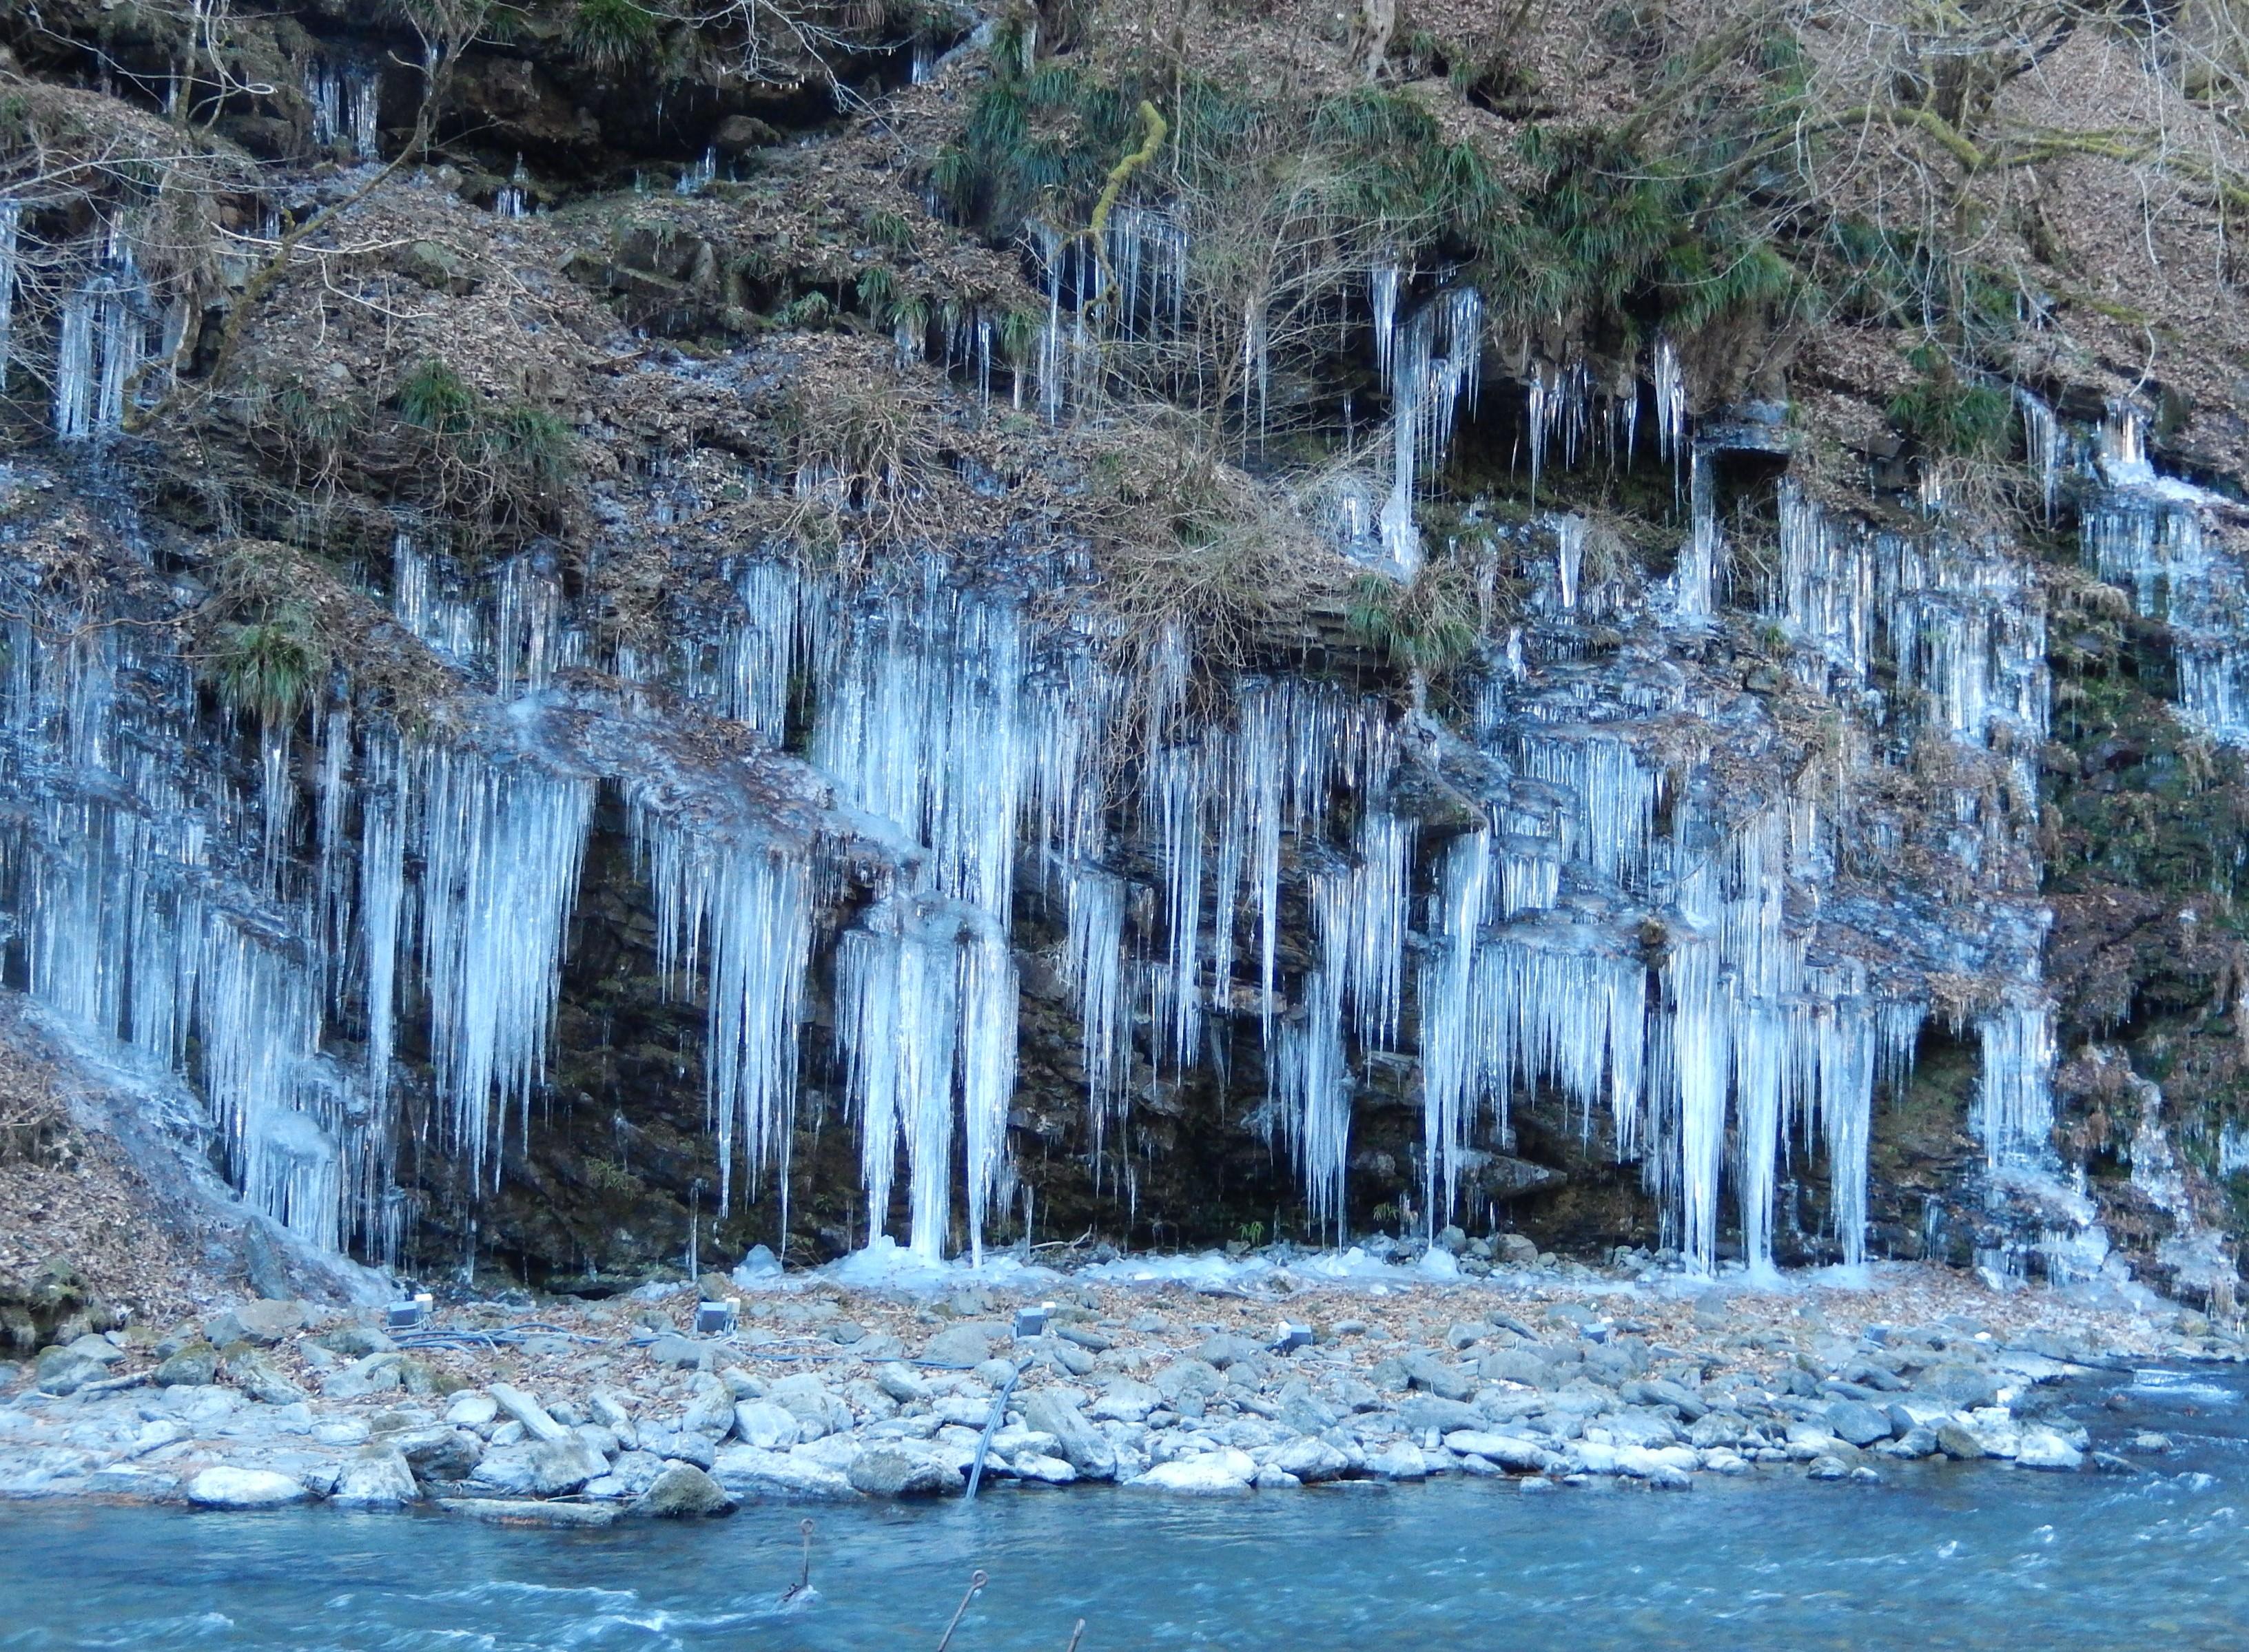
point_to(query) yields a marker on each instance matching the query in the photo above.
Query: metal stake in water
(977, 1580)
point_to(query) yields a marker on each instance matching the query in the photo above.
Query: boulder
(376, 1374)
(377, 1478)
(1961, 1387)
(680, 1353)
(1076, 1441)
(1401, 1460)
(746, 1471)
(1183, 1377)
(1124, 1401)
(355, 1341)
(683, 1491)
(257, 1377)
(260, 1324)
(1858, 1423)
(901, 1382)
(538, 1468)
(66, 1371)
(2044, 1449)
(473, 1410)
(1516, 1249)
(1224, 1349)
(1215, 1473)
(1958, 1441)
(527, 1411)
(767, 1426)
(1039, 1469)
(1311, 1460)
(193, 1366)
(438, 1453)
(1426, 1371)
(506, 1511)
(224, 1488)
(1516, 1365)
(1505, 1449)
(1425, 1411)
(897, 1470)
(966, 1345)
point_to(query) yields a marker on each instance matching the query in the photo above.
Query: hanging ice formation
(11, 217)
(1432, 367)
(513, 199)
(347, 107)
(102, 340)
(2146, 533)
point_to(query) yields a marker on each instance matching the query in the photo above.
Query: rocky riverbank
(1209, 1378)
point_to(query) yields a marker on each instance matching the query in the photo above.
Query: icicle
(2013, 1111)
(1385, 284)
(74, 367)
(1696, 583)
(1671, 388)
(1447, 999)
(1093, 968)
(742, 911)
(513, 200)
(1569, 559)
(11, 215)
(2044, 442)
(700, 176)
(501, 847)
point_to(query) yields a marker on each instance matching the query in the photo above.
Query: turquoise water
(1939, 1556)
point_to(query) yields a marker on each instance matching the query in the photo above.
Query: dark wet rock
(901, 1470)
(683, 1491)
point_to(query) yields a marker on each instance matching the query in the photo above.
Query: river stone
(1958, 1441)
(63, 1371)
(1505, 1449)
(378, 1478)
(1425, 1411)
(895, 1470)
(683, 1491)
(901, 1382)
(438, 1452)
(1401, 1460)
(608, 1410)
(473, 1410)
(746, 1471)
(1039, 1469)
(224, 1488)
(376, 1374)
(1858, 1423)
(1223, 1348)
(1125, 1400)
(1215, 1473)
(354, 1342)
(1963, 1388)
(680, 1353)
(2044, 1449)
(1311, 1460)
(965, 1345)
(629, 1478)
(1514, 1365)
(527, 1411)
(261, 1324)
(1183, 1377)
(538, 1468)
(1076, 1440)
(1681, 1398)
(193, 1366)
(507, 1511)
(767, 1426)
(1827, 1468)
(712, 1411)
(257, 1376)
(1426, 1371)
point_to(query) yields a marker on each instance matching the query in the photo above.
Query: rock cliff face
(634, 629)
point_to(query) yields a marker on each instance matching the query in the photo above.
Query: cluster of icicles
(968, 739)
(971, 742)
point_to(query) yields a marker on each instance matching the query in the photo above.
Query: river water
(1984, 1556)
